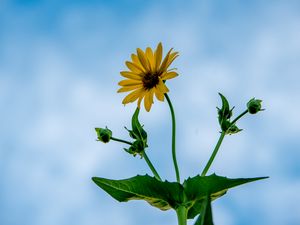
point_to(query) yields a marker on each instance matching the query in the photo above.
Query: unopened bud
(104, 134)
(254, 106)
(138, 146)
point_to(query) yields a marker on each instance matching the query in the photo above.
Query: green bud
(233, 129)
(254, 106)
(137, 147)
(225, 125)
(104, 134)
(229, 128)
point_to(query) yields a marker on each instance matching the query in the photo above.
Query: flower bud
(104, 134)
(138, 146)
(225, 125)
(233, 129)
(254, 106)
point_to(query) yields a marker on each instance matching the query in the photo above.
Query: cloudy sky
(59, 69)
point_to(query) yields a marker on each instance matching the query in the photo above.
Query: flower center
(150, 80)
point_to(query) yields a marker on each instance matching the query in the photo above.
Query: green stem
(213, 155)
(238, 117)
(181, 212)
(120, 140)
(144, 156)
(151, 166)
(173, 138)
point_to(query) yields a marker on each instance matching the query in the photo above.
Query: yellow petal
(136, 61)
(163, 66)
(129, 82)
(142, 59)
(158, 55)
(168, 75)
(140, 99)
(131, 75)
(162, 87)
(133, 96)
(129, 88)
(171, 58)
(148, 100)
(159, 95)
(133, 67)
(150, 58)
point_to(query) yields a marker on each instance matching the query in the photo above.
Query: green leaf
(163, 195)
(193, 194)
(225, 112)
(137, 128)
(205, 218)
(198, 187)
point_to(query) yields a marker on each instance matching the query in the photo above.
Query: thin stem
(238, 117)
(181, 212)
(213, 155)
(120, 140)
(144, 156)
(151, 166)
(173, 138)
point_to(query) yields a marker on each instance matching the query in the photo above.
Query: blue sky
(59, 68)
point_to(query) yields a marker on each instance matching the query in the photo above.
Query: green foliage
(195, 194)
(224, 115)
(137, 128)
(163, 195)
(138, 134)
(198, 187)
(225, 112)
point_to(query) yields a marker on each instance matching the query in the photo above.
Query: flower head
(254, 106)
(104, 134)
(146, 76)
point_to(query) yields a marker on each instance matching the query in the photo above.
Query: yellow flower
(146, 76)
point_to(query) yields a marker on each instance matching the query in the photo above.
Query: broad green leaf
(198, 187)
(163, 195)
(166, 195)
(205, 217)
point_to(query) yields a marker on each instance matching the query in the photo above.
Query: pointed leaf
(163, 195)
(225, 112)
(137, 128)
(198, 187)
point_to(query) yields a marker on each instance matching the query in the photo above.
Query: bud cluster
(224, 115)
(138, 134)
